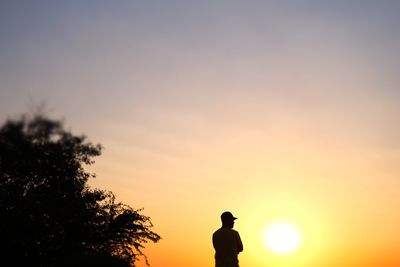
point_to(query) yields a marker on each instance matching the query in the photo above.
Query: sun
(282, 238)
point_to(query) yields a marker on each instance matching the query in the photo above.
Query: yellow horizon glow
(323, 194)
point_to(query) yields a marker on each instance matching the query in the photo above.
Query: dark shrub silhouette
(49, 216)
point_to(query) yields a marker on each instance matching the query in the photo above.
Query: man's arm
(213, 240)
(239, 243)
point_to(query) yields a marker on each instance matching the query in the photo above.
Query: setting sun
(282, 238)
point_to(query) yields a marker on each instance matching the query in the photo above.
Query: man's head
(227, 219)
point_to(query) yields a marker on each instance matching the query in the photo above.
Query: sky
(274, 110)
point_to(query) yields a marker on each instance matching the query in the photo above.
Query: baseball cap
(227, 216)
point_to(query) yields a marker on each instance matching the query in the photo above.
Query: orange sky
(269, 109)
(337, 190)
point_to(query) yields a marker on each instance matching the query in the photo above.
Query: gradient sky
(270, 109)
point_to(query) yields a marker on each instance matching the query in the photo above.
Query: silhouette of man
(227, 242)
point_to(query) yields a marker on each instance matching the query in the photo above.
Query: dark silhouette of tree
(49, 216)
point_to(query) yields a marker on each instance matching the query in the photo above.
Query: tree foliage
(49, 216)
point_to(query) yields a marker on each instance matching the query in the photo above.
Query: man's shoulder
(217, 231)
(226, 230)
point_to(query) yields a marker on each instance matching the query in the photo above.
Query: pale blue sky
(94, 61)
(68, 52)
